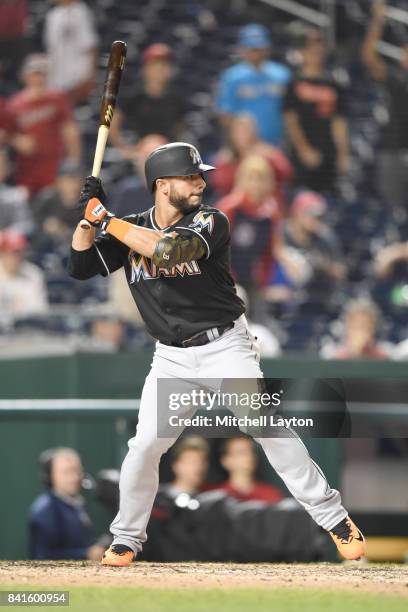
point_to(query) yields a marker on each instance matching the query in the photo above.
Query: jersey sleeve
(111, 254)
(212, 227)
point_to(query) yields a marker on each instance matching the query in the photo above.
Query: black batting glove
(92, 189)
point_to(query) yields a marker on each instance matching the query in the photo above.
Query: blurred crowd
(307, 127)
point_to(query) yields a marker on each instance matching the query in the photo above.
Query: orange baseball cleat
(118, 555)
(349, 540)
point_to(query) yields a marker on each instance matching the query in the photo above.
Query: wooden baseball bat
(108, 102)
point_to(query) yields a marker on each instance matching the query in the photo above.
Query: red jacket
(261, 491)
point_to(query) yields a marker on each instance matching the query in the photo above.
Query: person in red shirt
(239, 459)
(243, 141)
(254, 215)
(46, 131)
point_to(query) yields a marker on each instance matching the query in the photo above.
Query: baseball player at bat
(176, 258)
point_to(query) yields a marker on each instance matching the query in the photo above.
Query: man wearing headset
(59, 526)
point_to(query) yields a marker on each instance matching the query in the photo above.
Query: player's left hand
(96, 214)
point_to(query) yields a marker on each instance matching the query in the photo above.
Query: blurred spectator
(315, 118)
(239, 459)
(388, 257)
(108, 334)
(189, 464)
(254, 216)
(255, 85)
(54, 208)
(59, 526)
(288, 274)
(306, 232)
(13, 40)
(361, 323)
(243, 140)
(267, 342)
(71, 43)
(15, 215)
(393, 156)
(156, 108)
(23, 290)
(131, 195)
(45, 128)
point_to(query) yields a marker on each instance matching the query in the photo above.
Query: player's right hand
(92, 189)
(96, 214)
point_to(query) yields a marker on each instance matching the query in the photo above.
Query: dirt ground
(351, 576)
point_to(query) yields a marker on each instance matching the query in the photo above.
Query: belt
(203, 337)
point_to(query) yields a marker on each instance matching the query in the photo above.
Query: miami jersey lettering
(143, 268)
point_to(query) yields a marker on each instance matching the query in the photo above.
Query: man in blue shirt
(59, 525)
(255, 85)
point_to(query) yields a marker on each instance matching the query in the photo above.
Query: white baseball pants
(233, 355)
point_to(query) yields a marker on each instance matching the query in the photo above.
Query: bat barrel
(114, 73)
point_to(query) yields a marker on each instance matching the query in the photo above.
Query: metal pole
(397, 14)
(389, 50)
(330, 8)
(301, 11)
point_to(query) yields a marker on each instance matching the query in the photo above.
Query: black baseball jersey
(188, 298)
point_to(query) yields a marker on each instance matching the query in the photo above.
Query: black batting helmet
(174, 159)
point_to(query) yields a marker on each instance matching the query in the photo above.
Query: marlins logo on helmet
(195, 156)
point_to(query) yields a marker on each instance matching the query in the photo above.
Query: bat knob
(85, 225)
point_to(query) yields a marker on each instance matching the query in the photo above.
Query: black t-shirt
(250, 246)
(316, 101)
(190, 297)
(145, 115)
(395, 132)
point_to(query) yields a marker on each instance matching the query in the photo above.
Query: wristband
(118, 228)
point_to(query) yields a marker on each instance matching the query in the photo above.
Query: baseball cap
(11, 242)
(309, 202)
(36, 62)
(254, 36)
(157, 51)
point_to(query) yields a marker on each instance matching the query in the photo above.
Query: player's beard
(181, 203)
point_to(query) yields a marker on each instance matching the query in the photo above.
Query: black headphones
(45, 465)
(45, 461)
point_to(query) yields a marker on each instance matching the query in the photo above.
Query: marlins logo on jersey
(143, 268)
(203, 220)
